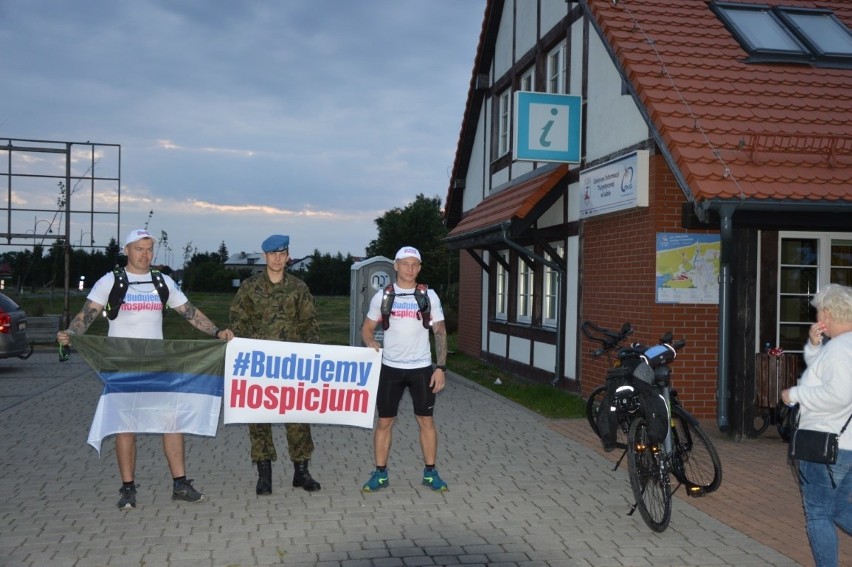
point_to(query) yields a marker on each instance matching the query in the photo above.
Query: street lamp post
(37, 222)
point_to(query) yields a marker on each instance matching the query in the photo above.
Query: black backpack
(119, 291)
(420, 296)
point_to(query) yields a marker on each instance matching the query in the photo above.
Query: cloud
(239, 118)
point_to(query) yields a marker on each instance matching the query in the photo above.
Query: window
(807, 261)
(840, 267)
(525, 292)
(783, 33)
(550, 311)
(501, 292)
(528, 80)
(556, 70)
(503, 122)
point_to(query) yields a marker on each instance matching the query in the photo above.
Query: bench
(42, 330)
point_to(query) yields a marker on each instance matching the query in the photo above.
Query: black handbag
(815, 446)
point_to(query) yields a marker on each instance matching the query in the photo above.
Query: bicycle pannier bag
(607, 422)
(655, 411)
(814, 446)
(618, 389)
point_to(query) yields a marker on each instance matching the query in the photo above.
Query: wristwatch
(441, 367)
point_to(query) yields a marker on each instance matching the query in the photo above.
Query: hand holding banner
(281, 382)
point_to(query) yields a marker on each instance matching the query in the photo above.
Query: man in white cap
(139, 314)
(407, 311)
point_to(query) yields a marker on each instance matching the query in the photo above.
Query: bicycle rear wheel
(695, 462)
(649, 477)
(593, 407)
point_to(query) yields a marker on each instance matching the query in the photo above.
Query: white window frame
(550, 295)
(526, 285)
(501, 288)
(504, 121)
(555, 70)
(824, 274)
(528, 80)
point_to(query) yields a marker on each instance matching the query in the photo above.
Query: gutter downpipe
(726, 212)
(504, 233)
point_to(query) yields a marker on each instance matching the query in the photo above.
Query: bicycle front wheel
(695, 462)
(649, 477)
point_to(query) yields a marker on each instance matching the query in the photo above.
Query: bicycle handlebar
(662, 353)
(607, 338)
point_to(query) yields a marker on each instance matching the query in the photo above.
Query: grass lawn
(333, 316)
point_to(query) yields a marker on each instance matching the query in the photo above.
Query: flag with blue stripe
(155, 386)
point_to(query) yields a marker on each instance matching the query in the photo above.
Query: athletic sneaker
(433, 481)
(378, 480)
(183, 490)
(128, 498)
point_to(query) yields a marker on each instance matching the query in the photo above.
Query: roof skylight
(787, 34)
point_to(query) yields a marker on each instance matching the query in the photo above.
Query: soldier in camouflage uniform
(274, 305)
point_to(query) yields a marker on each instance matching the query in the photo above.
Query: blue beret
(276, 243)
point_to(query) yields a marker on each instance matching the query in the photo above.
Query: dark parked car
(13, 329)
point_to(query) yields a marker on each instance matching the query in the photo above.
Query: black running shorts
(394, 381)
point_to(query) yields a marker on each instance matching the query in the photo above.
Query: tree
(223, 253)
(206, 273)
(327, 274)
(163, 244)
(112, 253)
(420, 224)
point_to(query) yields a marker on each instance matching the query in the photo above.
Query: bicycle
(661, 438)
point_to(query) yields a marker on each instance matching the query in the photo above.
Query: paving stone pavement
(521, 493)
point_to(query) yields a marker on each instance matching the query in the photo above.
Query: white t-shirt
(141, 314)
(406, 342)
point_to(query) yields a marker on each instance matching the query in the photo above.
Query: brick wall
(470, 300)
(618, 285)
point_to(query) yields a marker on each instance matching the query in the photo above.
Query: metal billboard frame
(15, 173)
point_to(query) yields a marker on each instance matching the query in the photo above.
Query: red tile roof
(734, 129)
(510, 203)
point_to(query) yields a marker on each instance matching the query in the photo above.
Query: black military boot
(302, 477)
(264, 477)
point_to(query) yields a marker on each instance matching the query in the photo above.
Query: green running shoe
(378, 480)
(433, 480)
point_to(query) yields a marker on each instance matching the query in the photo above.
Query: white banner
(279, 382)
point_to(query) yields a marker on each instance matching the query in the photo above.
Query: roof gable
(758, 134)
(734, 130)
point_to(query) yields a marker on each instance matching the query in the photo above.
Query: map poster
(688, 268)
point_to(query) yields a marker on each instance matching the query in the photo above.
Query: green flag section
(154, 385)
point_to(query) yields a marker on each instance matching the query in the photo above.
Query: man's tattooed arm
(197, 319)
(81, 322)
(440, 330)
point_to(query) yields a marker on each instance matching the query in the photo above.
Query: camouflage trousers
(300, 444)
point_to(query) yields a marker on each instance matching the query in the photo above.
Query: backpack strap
(388, 296)
(161, 286)
(116, 294)
(421, 296)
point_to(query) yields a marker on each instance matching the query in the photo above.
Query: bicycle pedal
(695, 491)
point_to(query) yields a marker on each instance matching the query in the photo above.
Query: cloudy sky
(239, 119)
